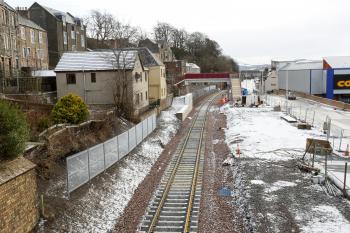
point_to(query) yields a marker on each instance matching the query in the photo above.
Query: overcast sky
(251, 31)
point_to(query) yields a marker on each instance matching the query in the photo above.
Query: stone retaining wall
(19, 210)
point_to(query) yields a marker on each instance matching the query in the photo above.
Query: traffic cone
(347, 151)
(238, 151)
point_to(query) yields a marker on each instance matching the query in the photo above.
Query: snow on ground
(278, 185)
(106, 197)
(261, 134)
(272, 194)
(257, 182)
(324, 218)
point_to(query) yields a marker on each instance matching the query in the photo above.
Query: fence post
(118, 146)
(306, 115)
(325, 165)
(341, 138)
(89, 164)
(67, 181)
(345, 173)
(128, 142)
(328, 129)
(104, 157)
(313, 156)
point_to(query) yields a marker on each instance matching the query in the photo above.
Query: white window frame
(6, 41)
(65, 38)
(23, 33)
(73, 35)
(40, 37)
(32, 36)
(82, 41)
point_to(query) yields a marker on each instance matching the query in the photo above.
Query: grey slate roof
(96, 61)
(148, 59)
(56, 13)
(150, 45)
(27, 22)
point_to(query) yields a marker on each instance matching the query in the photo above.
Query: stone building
(98, 78)
(175, 70)
(32, 46)
(8, 46)
(161, 49)
(157, 77)
(64, 31)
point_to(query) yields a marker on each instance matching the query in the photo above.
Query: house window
(93, 77)
(141, 97)
(146, 76)
(65, 38)
(32, 36)
(40, 37)
(82, 41)
(23, 33)
(146, 94)
(6, 41)
(137, 76)
(71, 79)
(26, 52)
(137, 97)
(40, 54)
(73, 34)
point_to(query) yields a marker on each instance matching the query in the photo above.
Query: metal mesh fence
(139, 130)
(77, 170)
(132, 138)
(149, 125)
(123, 140)
(111, 152)
(339, 137)
(87, 164)
(96, 160)
(144, 129)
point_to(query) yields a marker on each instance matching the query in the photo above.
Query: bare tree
(162, 32)
(179, 38)
(100, 26)
(124, 34)
(122, 83)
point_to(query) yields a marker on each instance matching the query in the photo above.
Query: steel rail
(195, 175)
(174, 171)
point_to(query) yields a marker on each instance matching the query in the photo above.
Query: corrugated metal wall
(305, 81)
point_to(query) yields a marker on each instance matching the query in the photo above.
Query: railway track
(175, 204)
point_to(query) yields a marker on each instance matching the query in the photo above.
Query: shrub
(14, 131)
(44, 123)
(70, 109)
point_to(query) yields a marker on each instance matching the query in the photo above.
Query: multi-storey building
(32, 46)
(174, 71)
(8, 45)
(64, 31)
(161, 49)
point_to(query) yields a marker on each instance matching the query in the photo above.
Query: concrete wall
(18, 196)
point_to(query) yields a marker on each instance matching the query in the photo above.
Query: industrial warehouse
(329, 78)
